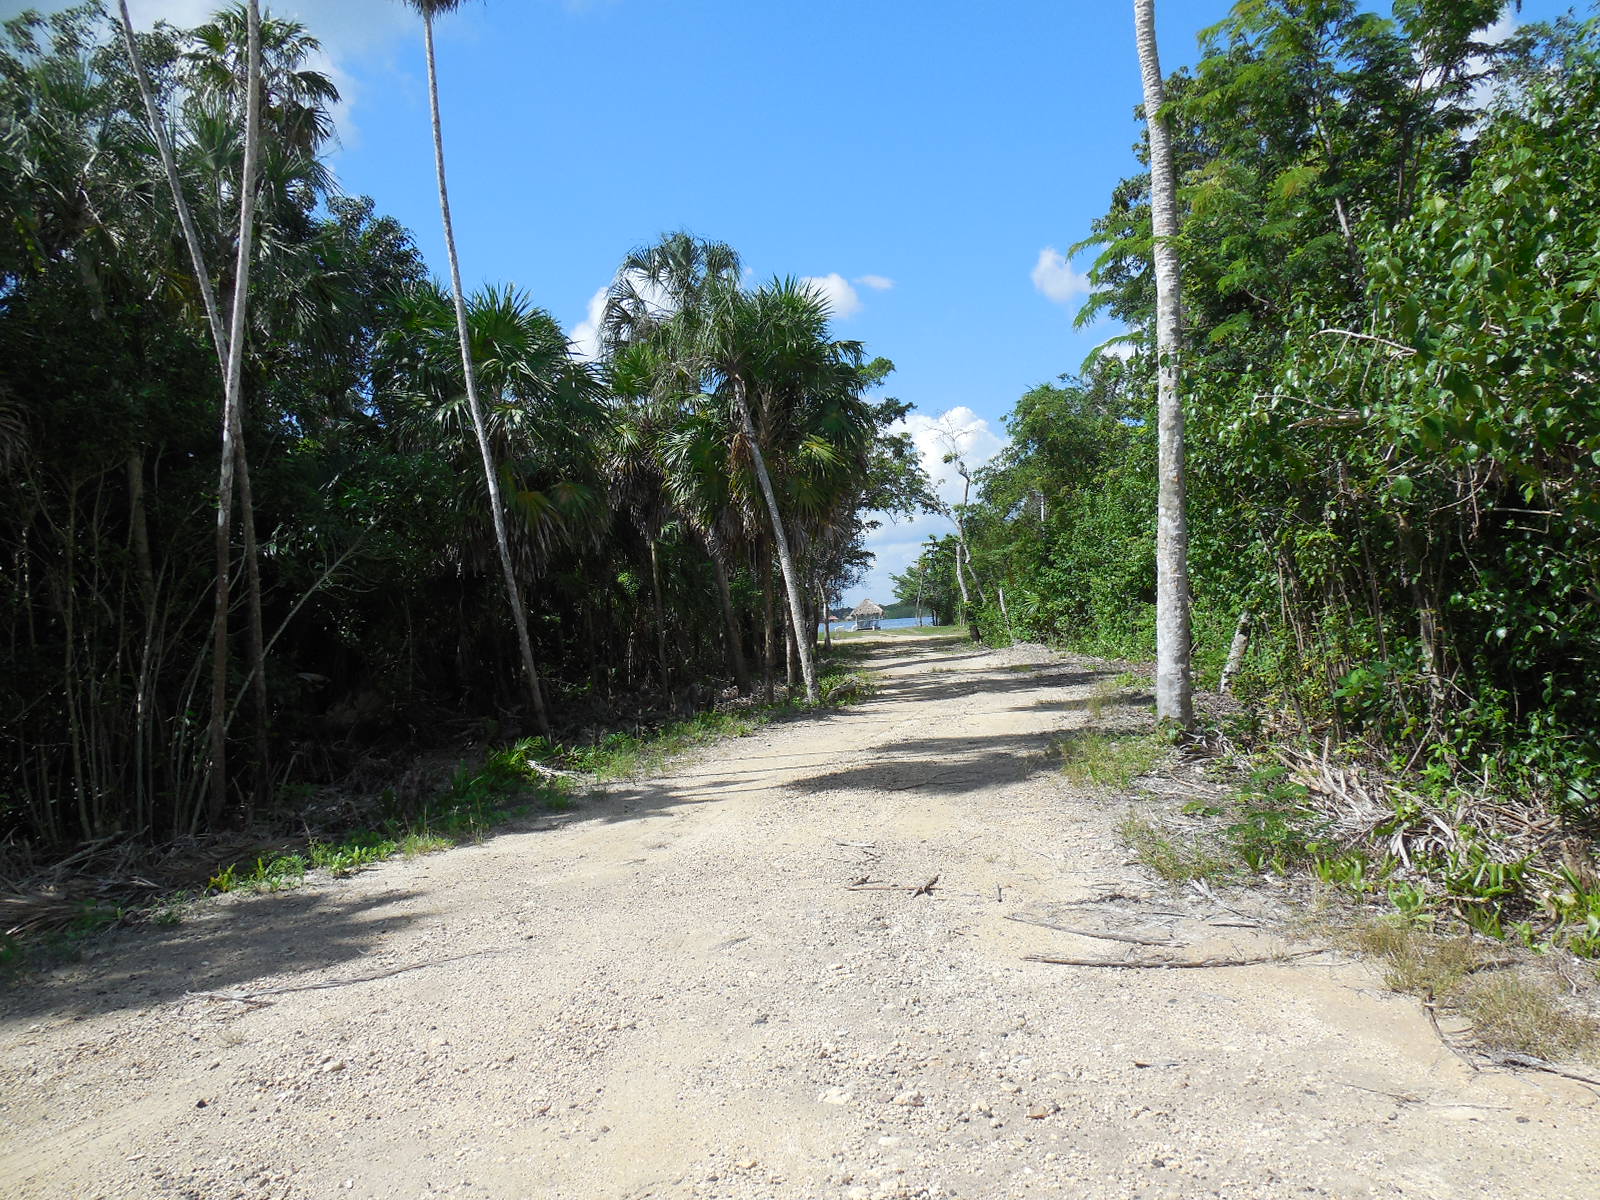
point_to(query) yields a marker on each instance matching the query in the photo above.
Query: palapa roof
(867, 609)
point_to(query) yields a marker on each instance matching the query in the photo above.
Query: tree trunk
(730, 621)
(230, 422)
(191, 235)
(519, 616)
(222, 340)
(139, 528)
(262, 769)
(1174, 681)
(1236, 653)
(790, 641)
(791, 587)
(661, 620)
(827, 618)
(768, 638)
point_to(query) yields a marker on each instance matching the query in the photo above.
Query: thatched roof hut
(866, 615)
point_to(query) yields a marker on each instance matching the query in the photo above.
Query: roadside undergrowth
(1459, 921)
(1434, 860)
(1512, 1002)
(527, 777)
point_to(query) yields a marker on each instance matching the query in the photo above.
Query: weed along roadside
(526, 780)
(1493, 932)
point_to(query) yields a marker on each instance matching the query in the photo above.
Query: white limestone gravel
(673, 992)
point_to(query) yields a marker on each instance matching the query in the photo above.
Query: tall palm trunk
(519, 616)
(1174, 683)
(233, 375)
(221, 341)
(158, 130)
(791, 581)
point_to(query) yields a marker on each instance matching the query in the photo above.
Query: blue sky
(927, 162)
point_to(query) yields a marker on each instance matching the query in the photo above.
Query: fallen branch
(1172, 963)
(1433, 1019)
(1530, 1063)
(1104, 936)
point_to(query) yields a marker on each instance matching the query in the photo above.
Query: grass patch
(88, 919)
(1108, 761)
(1177, 858)
(1415, 962)
(1508, 1012)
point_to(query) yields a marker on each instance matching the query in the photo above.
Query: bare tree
(1174, 682)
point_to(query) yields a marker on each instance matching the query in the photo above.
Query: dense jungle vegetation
(367, 613)
(1391, 257)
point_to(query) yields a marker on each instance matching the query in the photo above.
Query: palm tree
(232, 380)
(222, 71)
(519, 618)
(770, 355)
(658, 301)
(1174, 683)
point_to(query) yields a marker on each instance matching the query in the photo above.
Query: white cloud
(895, 545)
(1502, 29)
(1483, 90)
(1054, 277)
(836, 290)
(878, 283)
(958, 431)
(585, 335)
(346, 29)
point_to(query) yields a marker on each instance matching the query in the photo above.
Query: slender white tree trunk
(232, 375)
(1174, 683)
(1236, 653)
(221, 341)
(791, 584)
(519, 616)
(191, 236)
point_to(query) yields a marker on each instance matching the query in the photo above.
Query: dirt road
(674, 992)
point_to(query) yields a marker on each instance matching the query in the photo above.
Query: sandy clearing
(672, 992)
